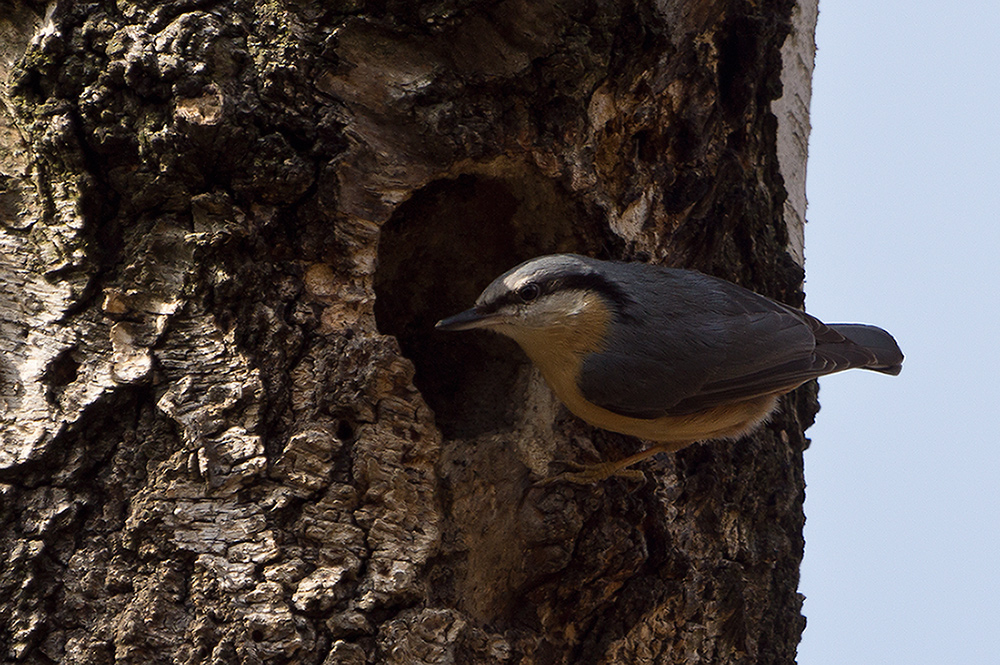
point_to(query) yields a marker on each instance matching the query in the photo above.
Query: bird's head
(557, 297)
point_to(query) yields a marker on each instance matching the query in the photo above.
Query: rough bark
(229, 431)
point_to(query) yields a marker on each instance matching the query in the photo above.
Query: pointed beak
(467, 320)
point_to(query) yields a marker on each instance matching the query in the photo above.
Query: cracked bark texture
(229, 431)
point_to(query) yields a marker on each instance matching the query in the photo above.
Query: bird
(669, 355)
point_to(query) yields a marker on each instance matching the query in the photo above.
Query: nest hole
(436, 254)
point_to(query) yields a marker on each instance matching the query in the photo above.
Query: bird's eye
(528, 292)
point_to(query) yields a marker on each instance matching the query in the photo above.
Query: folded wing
(709, 342)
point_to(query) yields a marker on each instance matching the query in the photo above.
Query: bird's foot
(588, 474)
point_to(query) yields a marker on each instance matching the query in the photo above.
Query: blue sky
(903, 476)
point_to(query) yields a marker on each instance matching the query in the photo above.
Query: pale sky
(902, 560)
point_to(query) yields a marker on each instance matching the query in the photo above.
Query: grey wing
(813, 350)
(636, 386)
(693, 342)
(731, 357)
(760, 353)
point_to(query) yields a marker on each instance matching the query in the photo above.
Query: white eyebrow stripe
(510, 281)
(515, 281)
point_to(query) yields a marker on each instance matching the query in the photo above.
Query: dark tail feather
(888, 357)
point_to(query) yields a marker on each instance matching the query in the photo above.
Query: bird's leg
(586, 474)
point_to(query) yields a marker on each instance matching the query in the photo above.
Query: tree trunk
(229, 430)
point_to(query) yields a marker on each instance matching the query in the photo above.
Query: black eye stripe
(549, 284)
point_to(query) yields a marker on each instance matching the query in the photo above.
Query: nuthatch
(668, 355)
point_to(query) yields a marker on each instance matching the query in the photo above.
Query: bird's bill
(466, 320)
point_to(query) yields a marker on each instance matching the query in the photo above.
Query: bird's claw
(588, 474)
